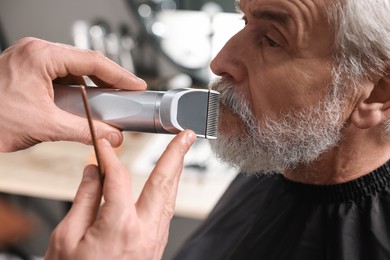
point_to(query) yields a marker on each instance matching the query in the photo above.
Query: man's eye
(270, 42)
(245, 20)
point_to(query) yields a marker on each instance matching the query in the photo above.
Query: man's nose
(229, 62)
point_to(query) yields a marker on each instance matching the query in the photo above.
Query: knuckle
(32, 45)
(75, 131)
(162, 183)
(25, 40)
(85, 135)
(81, 133)
(169, 211)
(96, 55)
(33, 51)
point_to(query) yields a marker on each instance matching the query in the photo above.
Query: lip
(230, 124)
(226, 110)
(223, 104)
(223, 108)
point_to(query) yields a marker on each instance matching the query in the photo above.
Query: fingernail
(114, 139)
(90, 173)
(190, 137)
(141, 80)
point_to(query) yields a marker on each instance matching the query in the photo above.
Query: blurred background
(170, 44)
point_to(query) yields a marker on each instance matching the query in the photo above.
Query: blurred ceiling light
(211, 8)
(80, 34)
(159, 29)
(96, 31)
(144, 10)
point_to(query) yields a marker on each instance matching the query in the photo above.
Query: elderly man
(305, 92)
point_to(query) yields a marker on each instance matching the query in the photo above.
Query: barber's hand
(28, 114)
(123, 228)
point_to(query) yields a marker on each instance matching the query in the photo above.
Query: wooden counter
(53, 171)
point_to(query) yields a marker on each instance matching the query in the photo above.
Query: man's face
(280, 66)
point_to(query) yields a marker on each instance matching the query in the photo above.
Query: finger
(163, 231)
(158, 189)
(85, 206)
(70, 80)
(100, 83)
(74, 128)
(80, 62)
(117, 183)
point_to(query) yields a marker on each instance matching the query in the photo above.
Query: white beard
(297, 137)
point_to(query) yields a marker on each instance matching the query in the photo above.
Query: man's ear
(373, 108)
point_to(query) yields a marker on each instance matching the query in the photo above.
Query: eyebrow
(271, 15)
(237, 6)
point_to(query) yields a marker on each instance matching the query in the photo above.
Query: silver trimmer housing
(168, 112)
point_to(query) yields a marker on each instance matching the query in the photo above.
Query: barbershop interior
(169, 44)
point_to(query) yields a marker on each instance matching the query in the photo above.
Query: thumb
(70, 127)
(86, 204)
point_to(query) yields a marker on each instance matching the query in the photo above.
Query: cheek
(278, 89)
(268, 95)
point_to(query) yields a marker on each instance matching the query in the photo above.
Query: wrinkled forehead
(307, 3)
(304, 13)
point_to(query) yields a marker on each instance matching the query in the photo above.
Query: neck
(359, 153)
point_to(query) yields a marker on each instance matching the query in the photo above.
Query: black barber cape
(270, 218)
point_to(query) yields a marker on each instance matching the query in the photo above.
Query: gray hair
(362, 38)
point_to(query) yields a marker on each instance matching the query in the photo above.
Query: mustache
(228, 96)
(233, 100)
